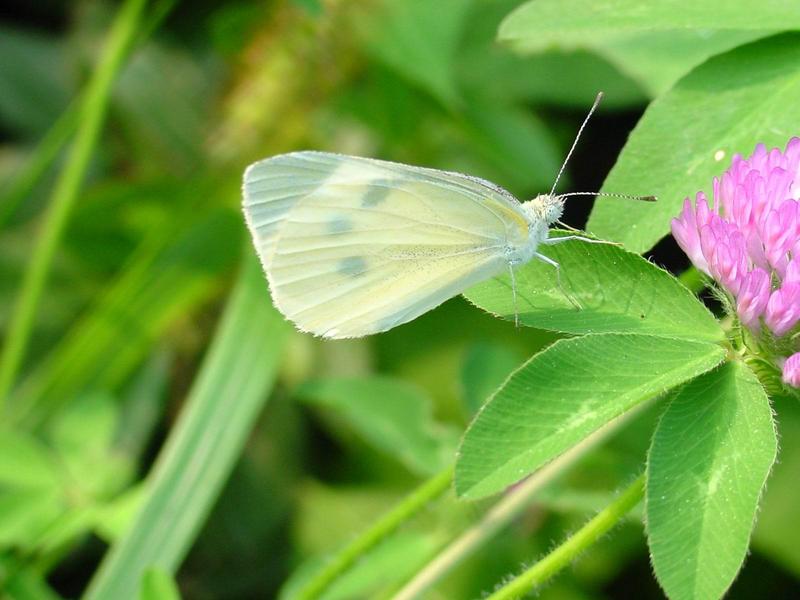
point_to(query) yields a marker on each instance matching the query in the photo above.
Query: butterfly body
(353, 246)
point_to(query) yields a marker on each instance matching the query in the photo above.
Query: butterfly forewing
(354, 246)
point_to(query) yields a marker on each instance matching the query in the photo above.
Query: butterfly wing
(353, 246)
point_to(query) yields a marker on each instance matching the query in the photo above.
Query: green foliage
(158, 403)
(486, 367)
(34, 67)
(158, 585)
(232, 385)
(615, 291)
(53, 492)
(654, 47)
(391, 415)
(173, 271)
(585, 16)
(711, 455)
(688, 135)
(565, 393)
(420, 40)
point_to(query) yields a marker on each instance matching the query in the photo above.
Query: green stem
(501, 514)
(347, 556)
(65, 192)
(574, 545)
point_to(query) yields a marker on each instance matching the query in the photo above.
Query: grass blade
(65, 192)
(225, 400)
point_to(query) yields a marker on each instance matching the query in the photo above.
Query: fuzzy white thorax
(541, 212)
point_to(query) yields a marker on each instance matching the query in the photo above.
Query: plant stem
(347, 556)
(65, 192)
(574, 545)
(504, 511)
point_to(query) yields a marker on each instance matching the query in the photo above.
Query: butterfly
(353, 246)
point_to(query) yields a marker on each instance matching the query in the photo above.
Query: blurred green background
(157, 373)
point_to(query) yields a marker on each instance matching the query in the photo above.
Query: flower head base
(748, 240)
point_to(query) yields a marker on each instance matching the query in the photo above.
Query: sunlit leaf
(26, 514)
(616, 290)
(25, 462)
(540, 23)
(688, 136)
(157, 584)
(711, 455)
(563, 394)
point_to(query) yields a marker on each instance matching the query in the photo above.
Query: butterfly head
(540, 213)
(544, 210)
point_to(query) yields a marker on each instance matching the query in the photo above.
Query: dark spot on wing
(353, 266)
(340, 225)
(377, 192)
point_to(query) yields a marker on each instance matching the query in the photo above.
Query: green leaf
(563, 394)
(87, 424)
(231, 387)
(654, 44)
(688, 136)
(25, 514)
(157, 584)
(618, 292)
(546, 22)
(24, 582)
(167, 277)
(82, 434)
(113, 519)
(391, 415)
(70, 525)
(657, 59)
(514, 142)
(419, 39)
(566, 79)
(710, 458)
(486, 367)
(25, 462)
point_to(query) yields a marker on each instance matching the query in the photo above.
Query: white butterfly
(353, 246)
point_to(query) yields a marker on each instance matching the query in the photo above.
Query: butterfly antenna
(610, 194)
(575, 143)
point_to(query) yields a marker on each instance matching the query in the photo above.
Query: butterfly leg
(565, 226)
(557, 267)
(514, 294)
